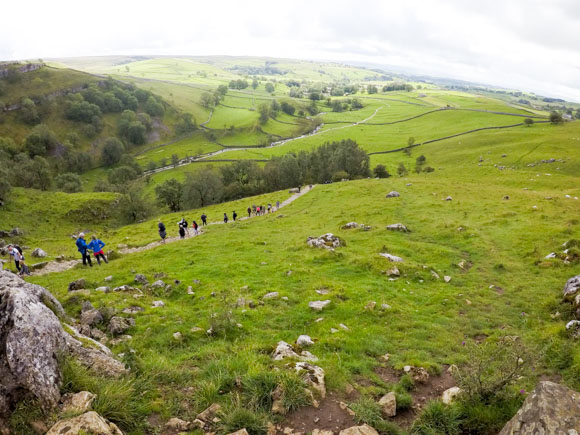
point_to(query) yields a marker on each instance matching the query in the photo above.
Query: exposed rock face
(31, 338)
(398, 227)
(572, 288)
(550, 409)
(89, 422)
(119, 325)
(327, 241)
(314, 377)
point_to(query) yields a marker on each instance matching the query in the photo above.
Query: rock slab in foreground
(31, 337)
(89, 422)
(550, 409)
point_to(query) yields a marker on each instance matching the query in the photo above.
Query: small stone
(39, 253)
(158, 304)
(449, 198)
(450, 394)
(304, 340)
(320, 319)
(209, 413)
(390, 257)
(177, 336)
(370, 306)
(394, 271)
(386, 357)
(385, 307)
(109, 278)
(176, 425)
(79, 402)
(467, 301)
(393, 194)
(333, 330)
(398, 227)
(104, 289)
(271, 295)
(447, 278)
(319, 305)
(388, 404)
(434, 274)
(343, 326)
(141, 279)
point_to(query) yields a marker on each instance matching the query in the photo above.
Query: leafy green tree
(529, 122)
(5, 186)
(112, 151)
(202, 188)
(174, 160)
(186, 124)
(154, 107)
(69, 182)
(29, 113)
(380, 171)
(264, 110)
(222, 90)
(372, 89)
(314, 96)
(269, 87)
(82, 111)
(287, 108)
(170, 193)
(133, 207)
(420, 161)
(206, 100)
(556, 117)
(40, 141)
(122, 175)
(255, 84)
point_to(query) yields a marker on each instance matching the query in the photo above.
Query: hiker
(249, 212)
(195, 227)
(15, 251)
(258, 211)
(269, 208)
(184, 224)
(225, 218)
(299, 187)
(162, 231)
(254, 210)
(277, 205)
(203, 219)
(234, 215)
(96, 245)
(262, 210)
(181, 231)
(83, 248)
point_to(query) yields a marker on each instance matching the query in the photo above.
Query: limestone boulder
(89, 422)
(393, 194)
(572, 288)
(388, 404)
(119, 325)
(398, 227)
(550, 409)
(78, 402)
(39, 253)
(365, 429)
(319, 305)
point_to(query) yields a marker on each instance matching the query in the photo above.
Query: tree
(556, 117)
(186, 124)
(528, 121)
(411, 141)
(69, 182)
(269, 87)
(287, 108)
(29, 114)
(255, 84)
(206, 100)
(154, 108)
(421, 160)
(202, 188)
(402, 170)
(264, 110)
(174, 160)
(222, 90)
(82, 112)
(133, 207)
(372, 89)
(380, 171)
(121, 176)
(5, 185)
(314, 96)
(170, 194)
(112, 151)
(40, 141)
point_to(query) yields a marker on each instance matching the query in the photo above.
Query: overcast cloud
(525, 44)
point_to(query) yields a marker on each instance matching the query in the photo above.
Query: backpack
(19, 249)
(184, 224)
(161, 227)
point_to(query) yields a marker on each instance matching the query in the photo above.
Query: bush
(170, 193)
(112, 151)
(69, 182)
(339, 176)
(556, 117)
(437, 418)
(491, 367)
(380, 171)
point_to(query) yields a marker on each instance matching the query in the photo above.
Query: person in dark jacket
(225, 218)
(249, 211)
(96, 245)
(162, 231)
(184, 224)
(195, 227)
(234, 215)
(203, 219)
(83, 248)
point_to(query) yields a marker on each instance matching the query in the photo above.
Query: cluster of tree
(398, 87)
(372, 89)
(238, 84)
(209, 100)
(345, 104)
(339, 91)
(330, 162)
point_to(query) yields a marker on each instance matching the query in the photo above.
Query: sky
(529, 45)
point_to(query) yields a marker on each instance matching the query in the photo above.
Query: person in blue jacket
(83, 248)
(97, 246)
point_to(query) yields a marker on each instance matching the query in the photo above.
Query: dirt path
(55, 266)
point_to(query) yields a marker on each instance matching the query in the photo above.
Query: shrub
(407, 383)
(491, 367)
(339, 176)
(380, 171)
(404, 400)
(241, 418)
(437, 418)
(69, 182)
(294, 392)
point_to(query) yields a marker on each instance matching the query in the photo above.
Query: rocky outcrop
(550, 409)
(572, 288)
(365, 429)
(31, 340)
(327, 241)
(393, 194)
(89, 422)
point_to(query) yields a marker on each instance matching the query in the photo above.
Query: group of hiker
(16, 253)
(183, 225)
(95, 245)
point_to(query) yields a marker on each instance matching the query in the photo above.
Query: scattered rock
(271, 295)
(419, 374)
(314, 376)
(450, 394)
(390, 257)
(16, 232)
(447, 278)
(393, 194)
(119, 325)
(350, 226)
(343, 326)
(208, 414)
(78, 403)
(177, 336)
(322, 291)
(79, 284)
(109, 278)
(134, 309)
(39, 253)
(435, 274)
(283, 350)
(388, 404)
(104, 289)
(158, 304)
(159, 284)
(370, 306)
(175, 426)
(141, 279)
(385, 307)
(393, 272)
(449, 198)
(398, 227)
(241, 431)
(333, 330)
(573, 327)
(327, 241)
(89, 422)
(91, 317)
(464, 265)
(572, 288)
(319, 305)
(127, 288)
(506, 197)
(304, 341)
(365, 429)
(550, 409)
